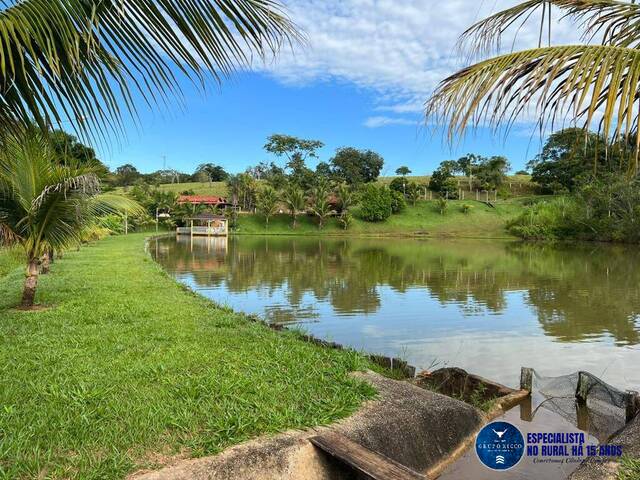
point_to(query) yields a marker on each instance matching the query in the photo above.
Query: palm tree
(293, 197)
(85, 60)
(267, 203)
(44, 205)
(320, 205)
(346, 199)
(571, 82)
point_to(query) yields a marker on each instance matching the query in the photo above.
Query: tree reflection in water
(586, 293)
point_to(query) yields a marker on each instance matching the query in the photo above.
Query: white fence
(201, 230)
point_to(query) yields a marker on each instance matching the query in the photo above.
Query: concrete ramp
(406, 431)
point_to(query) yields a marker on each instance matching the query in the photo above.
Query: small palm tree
(577, 83)
(320, 205)
(413, 193)
(44, 205)
(443, 205)
(346, 199)
(293, 197)
(267, 203)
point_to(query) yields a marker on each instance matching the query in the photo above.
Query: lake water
(489, 307)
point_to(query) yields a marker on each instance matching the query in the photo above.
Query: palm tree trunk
(30, 283)
(45, 264)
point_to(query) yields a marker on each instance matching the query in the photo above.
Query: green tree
(87, 60)
(442, 181)
(127, 175)
(44, 205)
(293, 197)
(567, 159)
(355, 166)
(267, 203)
(491, 172)
(403, 171)
(296, 151)
(467, 165)
(71, 152)
(214, 173)
(375, 203)
(577, 83)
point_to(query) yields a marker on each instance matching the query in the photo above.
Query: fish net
(583, 400)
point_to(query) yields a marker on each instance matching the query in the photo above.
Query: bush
(560, 218)
(375, 203)
(398, 203)
(345, 220)
(398, 184)
(607, 210)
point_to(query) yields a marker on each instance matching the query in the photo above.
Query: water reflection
(477, 304)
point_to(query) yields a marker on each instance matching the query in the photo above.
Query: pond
(489, 307)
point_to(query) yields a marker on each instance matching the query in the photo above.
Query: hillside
(517, 185)
(423, 219)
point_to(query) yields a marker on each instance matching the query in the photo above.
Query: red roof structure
(202, 200)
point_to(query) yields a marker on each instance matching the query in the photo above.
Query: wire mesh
(583, 400)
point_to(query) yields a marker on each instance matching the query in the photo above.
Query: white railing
(201, 230)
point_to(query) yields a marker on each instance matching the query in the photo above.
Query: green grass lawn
(127, 369)
(10, 258)
(423, 219)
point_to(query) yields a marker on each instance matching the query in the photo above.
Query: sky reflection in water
(489, 307)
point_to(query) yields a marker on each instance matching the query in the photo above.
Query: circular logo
(500, 445)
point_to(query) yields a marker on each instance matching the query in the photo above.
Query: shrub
(345, 220)
(375, 203)
(398, 184)
(398, 203)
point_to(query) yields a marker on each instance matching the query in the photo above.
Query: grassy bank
(127, 370)
(423, 219)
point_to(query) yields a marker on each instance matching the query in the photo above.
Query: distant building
(205, 224)
(209, 200)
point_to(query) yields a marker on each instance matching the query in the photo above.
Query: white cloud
(381, 121)
(399, 49)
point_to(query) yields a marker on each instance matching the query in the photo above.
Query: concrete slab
(415, 427)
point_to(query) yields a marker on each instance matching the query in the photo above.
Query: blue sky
(360, 81)
(229, 126)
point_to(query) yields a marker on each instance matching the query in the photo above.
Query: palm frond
(108, 203)
(83, 59)
(87, 184)
(615, 23)
(578, 83)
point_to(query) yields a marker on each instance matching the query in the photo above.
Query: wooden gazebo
(206, 224)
